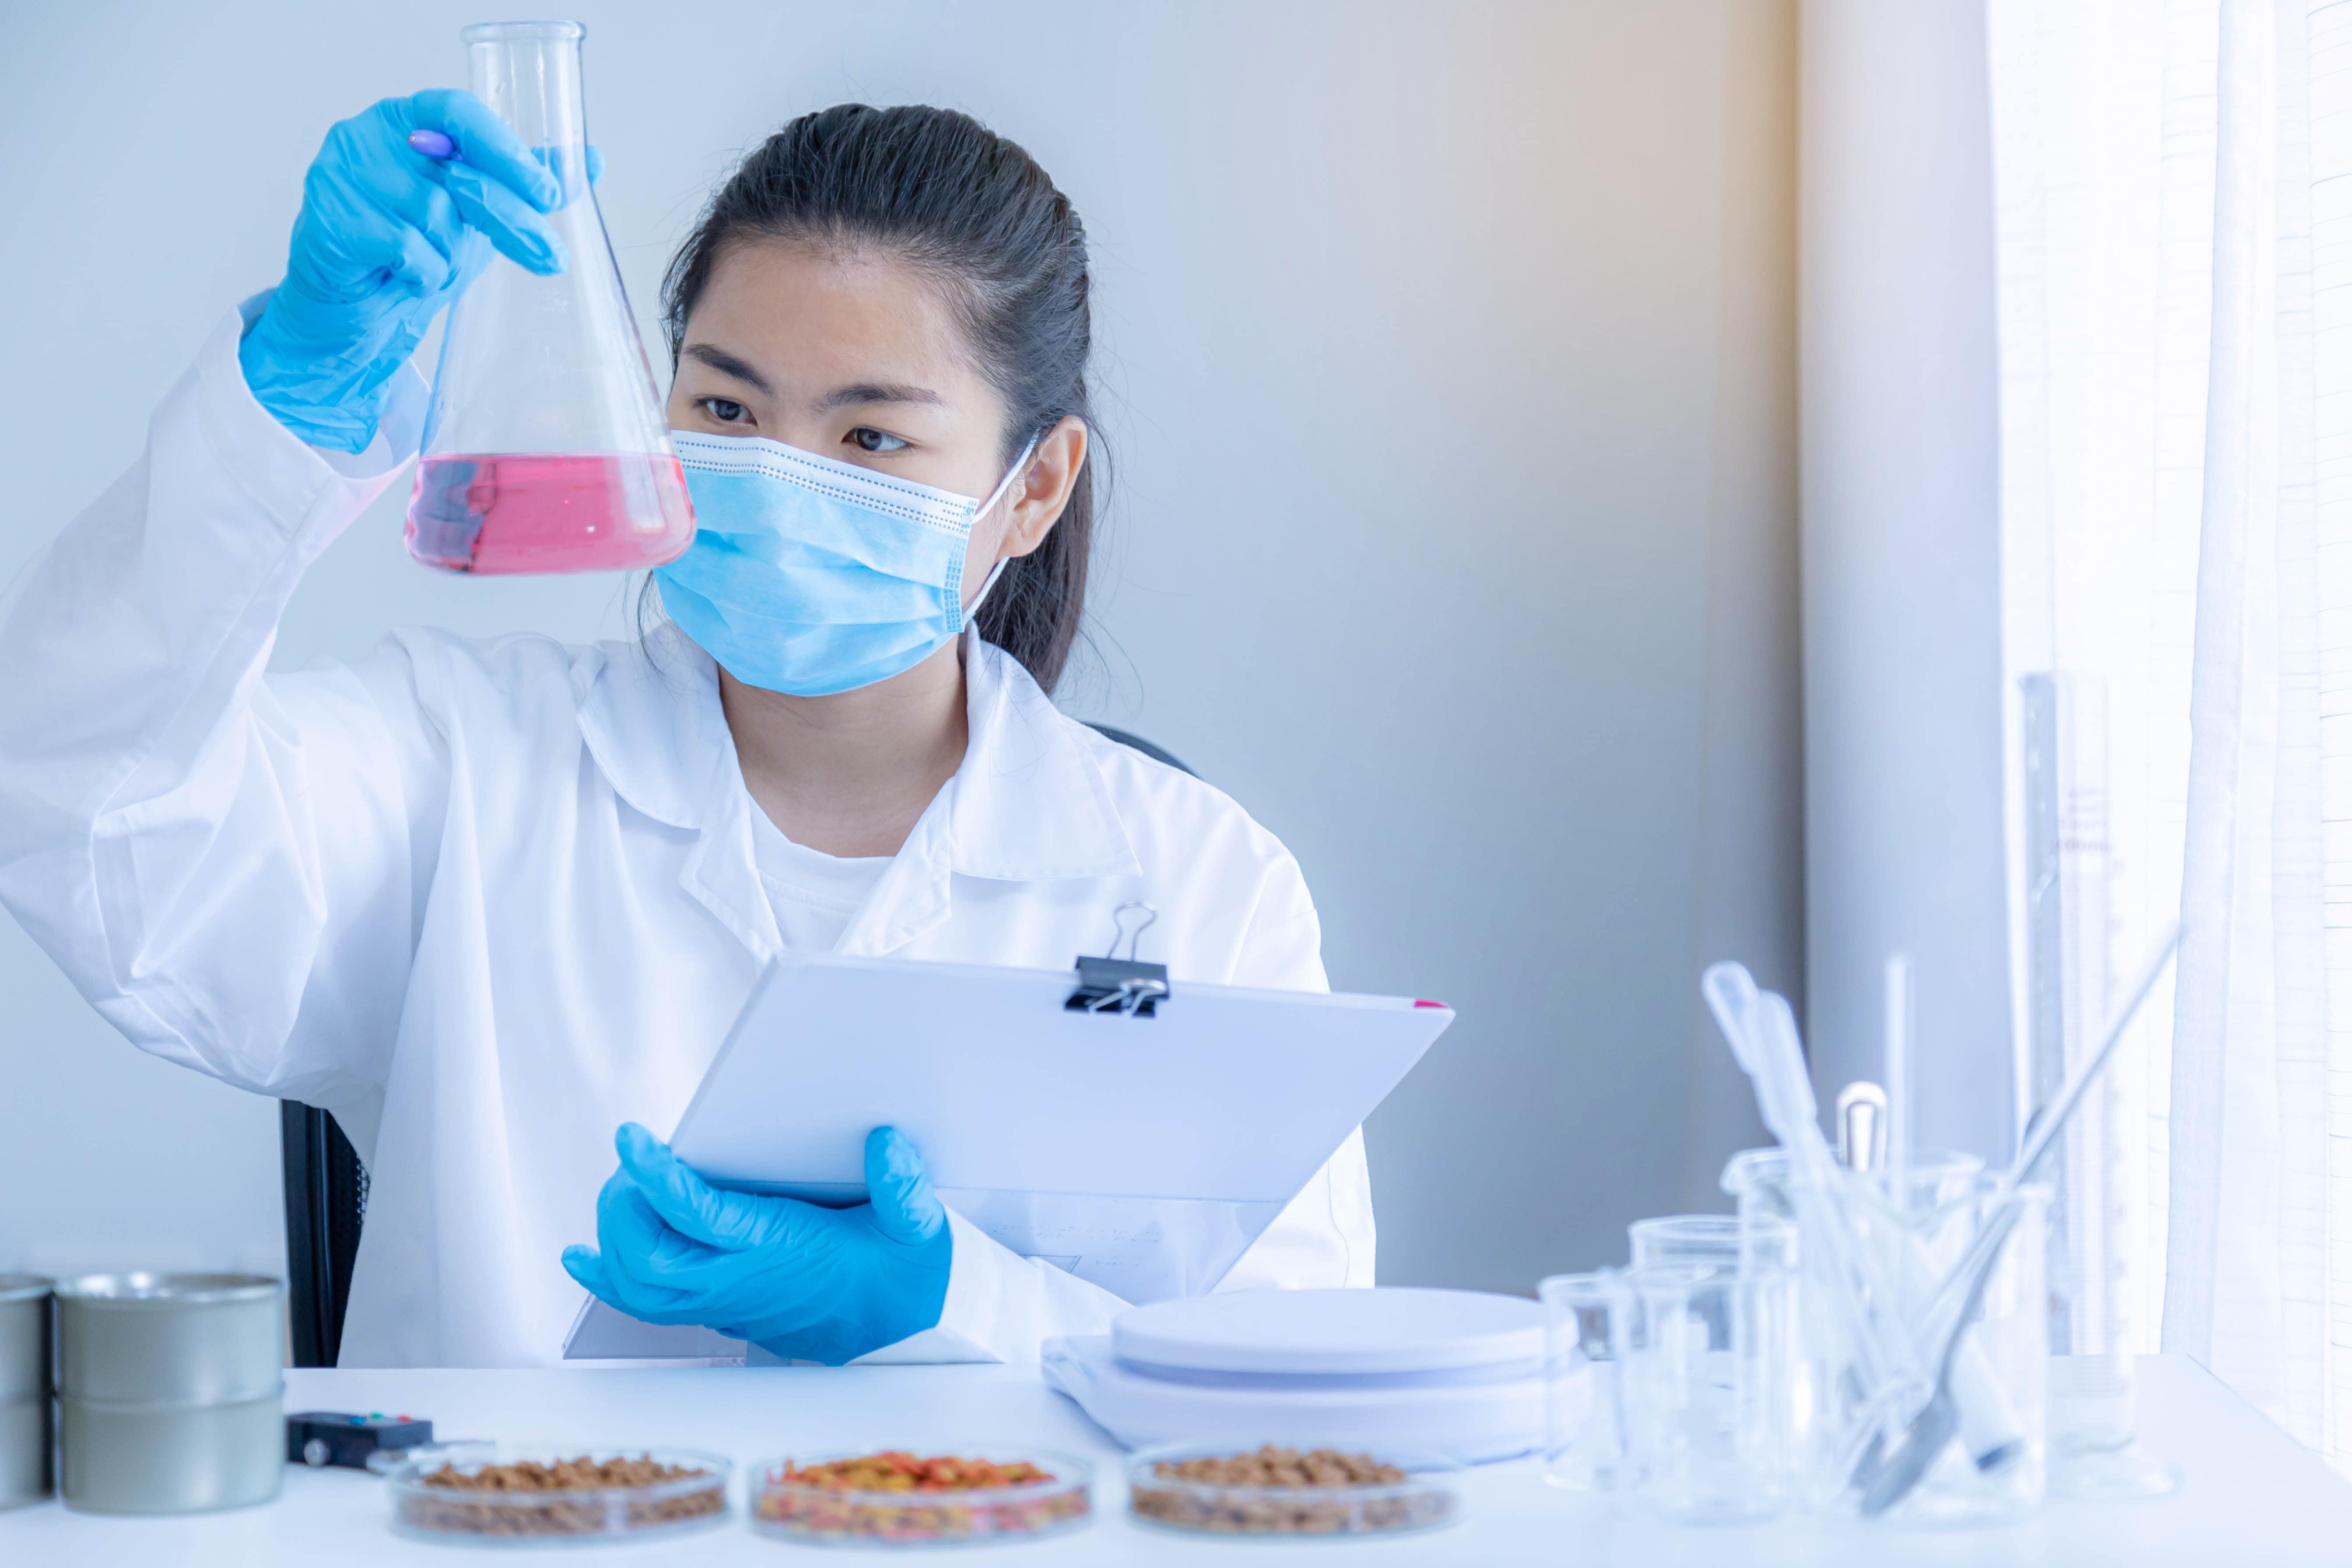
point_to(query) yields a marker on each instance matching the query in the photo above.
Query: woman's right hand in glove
(387, 237)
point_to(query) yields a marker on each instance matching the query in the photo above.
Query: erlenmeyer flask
(545, 447)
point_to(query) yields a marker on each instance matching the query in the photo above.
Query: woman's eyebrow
(726, 364)
(873, 392)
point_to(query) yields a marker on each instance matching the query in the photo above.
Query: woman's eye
(726, 410)
(865, 438)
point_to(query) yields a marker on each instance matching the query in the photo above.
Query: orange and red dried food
(896, 1470)
(897, 1497)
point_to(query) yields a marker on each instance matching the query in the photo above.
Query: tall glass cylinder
(2094, 1447)
(546, 448)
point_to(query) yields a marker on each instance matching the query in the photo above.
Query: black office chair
(326, 1204)
(327, 1191)
(1140, 744)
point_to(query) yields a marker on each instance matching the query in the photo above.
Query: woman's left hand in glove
(803, 1282)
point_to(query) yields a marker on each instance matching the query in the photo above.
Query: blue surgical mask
(813, 576)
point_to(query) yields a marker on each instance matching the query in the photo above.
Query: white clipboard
(1143, 1150)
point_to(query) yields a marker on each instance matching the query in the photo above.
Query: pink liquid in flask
(540, 512)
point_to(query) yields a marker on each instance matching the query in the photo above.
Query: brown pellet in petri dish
(1277, 1491)
(519, 1496)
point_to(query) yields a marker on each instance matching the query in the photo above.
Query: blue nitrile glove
(805, 1282)
(387, 237)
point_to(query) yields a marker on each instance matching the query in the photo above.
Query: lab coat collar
(650, 713)
(1029, 802)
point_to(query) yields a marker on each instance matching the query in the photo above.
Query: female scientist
(487, 902)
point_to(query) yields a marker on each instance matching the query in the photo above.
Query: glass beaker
(546, 448)
(1583, 1433)
(1704, 1360)
(1728, 1239)
(1922, 1225)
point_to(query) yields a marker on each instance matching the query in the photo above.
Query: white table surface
(2253, 1495)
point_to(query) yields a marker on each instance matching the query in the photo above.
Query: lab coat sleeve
(1323, 1237)
(225, 862)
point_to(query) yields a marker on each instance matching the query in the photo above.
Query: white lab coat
(485, 900)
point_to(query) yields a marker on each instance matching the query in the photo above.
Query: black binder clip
(1122, 985)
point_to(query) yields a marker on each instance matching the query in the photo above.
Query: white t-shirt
(814, 894)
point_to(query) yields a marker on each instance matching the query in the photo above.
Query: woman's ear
(1040, 495)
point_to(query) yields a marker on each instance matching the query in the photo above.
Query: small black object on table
(323, 1437)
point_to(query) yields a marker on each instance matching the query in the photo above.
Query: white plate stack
(1454, 1371)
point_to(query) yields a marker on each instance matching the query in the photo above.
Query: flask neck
(533, 82)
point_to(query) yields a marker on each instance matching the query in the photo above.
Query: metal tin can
(189, 1459)
(25, 1421)
(170, 1338)
(170, 1389)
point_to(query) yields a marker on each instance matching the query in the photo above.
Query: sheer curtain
(2174, 251)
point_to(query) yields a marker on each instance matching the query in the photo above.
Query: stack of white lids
(1456, 1371)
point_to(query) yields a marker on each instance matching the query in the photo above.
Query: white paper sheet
(1142, 1154)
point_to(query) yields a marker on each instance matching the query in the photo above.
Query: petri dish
(682, 1491)
(791, 1510)
(1426, 1499)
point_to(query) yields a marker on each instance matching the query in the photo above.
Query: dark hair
(941, 192)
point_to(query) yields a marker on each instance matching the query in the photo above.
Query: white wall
(1905, 846)
(1450, 368)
